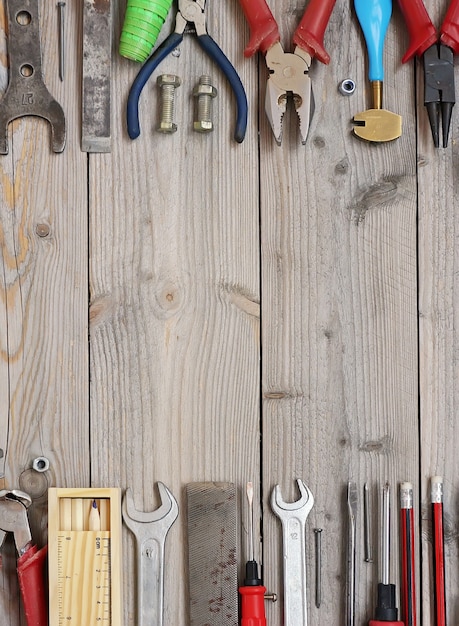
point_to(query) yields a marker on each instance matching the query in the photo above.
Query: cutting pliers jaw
(288, 75)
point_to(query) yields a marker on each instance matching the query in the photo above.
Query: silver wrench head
(165, 515)
(284, 509)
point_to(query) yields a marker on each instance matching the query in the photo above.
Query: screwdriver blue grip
(374, 17)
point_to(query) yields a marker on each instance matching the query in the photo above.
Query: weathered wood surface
(255, 312)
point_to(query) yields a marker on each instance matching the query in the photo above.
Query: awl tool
(376, 124)
(437, 52)
(27, 94)
(252, 591)
(288, 72)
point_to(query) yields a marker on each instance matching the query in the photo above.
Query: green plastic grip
(142, 24)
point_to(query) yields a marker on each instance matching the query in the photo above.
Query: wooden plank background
(185, 308)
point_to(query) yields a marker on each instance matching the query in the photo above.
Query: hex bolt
(167, 83)
(40, 464)
(205, 92)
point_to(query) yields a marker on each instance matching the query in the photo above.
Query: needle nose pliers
(189, 12)
(437, 52)
(288, 71)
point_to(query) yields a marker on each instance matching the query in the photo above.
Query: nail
(318, 542)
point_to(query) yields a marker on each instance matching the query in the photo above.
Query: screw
(318, 534)
(40, 464)
(168, 83)
(205, 93)
(271, 596)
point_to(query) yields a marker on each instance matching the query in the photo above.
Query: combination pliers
(31, 562)
(189, 12)
(437, 52)
(288, 72)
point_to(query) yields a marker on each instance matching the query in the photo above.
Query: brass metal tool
(376, 124)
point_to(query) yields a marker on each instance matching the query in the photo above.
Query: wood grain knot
(169, 298)
(342, 167)
(243, 300)
(375, 196)
(42, 229)
(319, 142)
(382, 446)
(100, 309)
(275, 395)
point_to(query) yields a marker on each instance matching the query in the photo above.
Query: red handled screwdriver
(386, 609)
(252, 592)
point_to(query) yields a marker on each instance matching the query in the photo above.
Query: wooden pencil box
(85, 549)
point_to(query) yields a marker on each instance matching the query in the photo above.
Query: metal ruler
(96, 97)
(84, 578)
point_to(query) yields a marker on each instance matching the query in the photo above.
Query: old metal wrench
(150, 531)
(293, 516)
(26, 93)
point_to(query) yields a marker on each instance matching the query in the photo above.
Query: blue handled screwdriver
(376, 124)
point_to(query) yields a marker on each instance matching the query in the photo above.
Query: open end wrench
(27, 93)
(293, 516)
(150, 531)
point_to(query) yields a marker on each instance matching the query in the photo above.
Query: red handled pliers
(31, 562)
(288, 71)
(437, 52)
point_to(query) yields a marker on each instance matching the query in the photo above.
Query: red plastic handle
(253, 605)
(450, 28)
(309, 35)
(420, 28)
(264, 31)
(31, 578)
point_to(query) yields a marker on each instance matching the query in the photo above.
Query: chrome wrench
(26, 93)
(293, 516)
(150, 531)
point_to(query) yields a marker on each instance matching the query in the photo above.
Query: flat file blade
(96, 97)
(212, 549)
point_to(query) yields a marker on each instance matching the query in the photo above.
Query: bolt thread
(205, 102)
(167, 103)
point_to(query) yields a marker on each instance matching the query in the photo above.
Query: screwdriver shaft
(385, 536)
(250, 502)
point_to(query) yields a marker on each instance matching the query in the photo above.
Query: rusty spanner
(27, 93)
(293, 516)
(150, 531)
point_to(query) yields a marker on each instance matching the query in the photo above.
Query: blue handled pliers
(189, 12)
